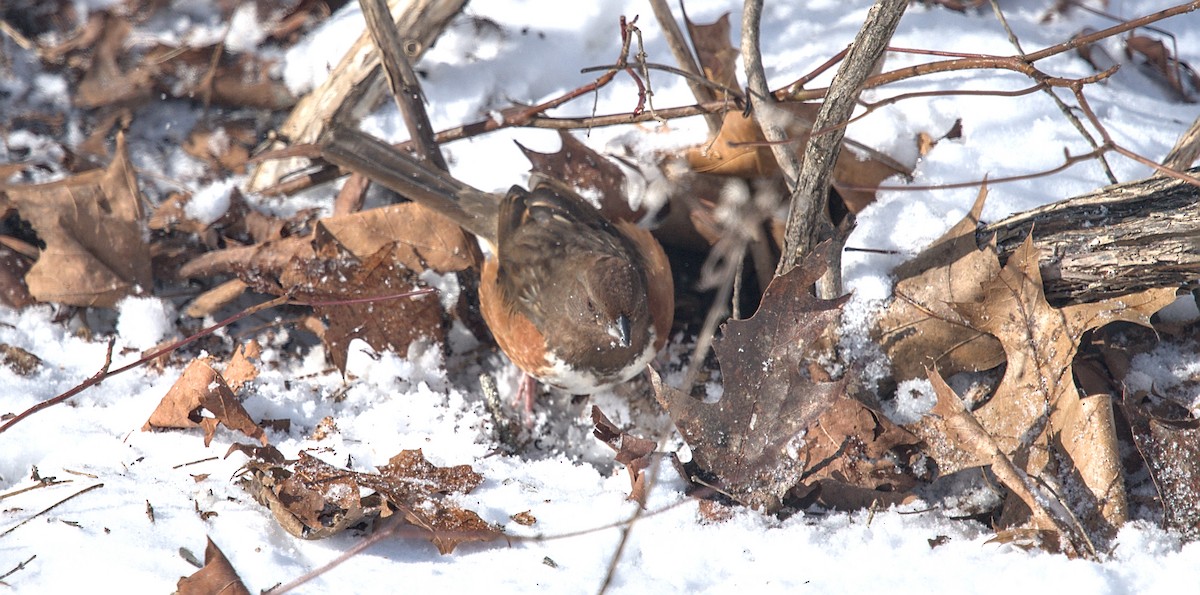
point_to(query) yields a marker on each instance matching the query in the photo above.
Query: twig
(1069, 161)
(626, 529)
(16, 569)
(42, 483)
(765, 113)
(405, 87)
(687, 61)
(51, 507)
(1062, 107)
(1110, 143)
(204, 460)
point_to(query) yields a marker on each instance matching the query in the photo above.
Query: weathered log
(1114, 241)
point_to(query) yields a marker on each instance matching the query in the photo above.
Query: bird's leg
(526, 393)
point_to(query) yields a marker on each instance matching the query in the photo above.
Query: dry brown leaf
(1039, 344)
(738, 150)
(741, 150)
(926, 142)
(91, 225)
(1164, 68)
(751, 439)
(259, 265)
(309, 498)
(921, 329)
(716, 55)
(392, 324)
(632, 451)
(312, 499)
(1037, 406)
(106, 82)
(216, 578)
(225, 148)
(587, 172)
(199, 390)
(836, 495)
(240, 370)
(952, 427)
(1171, 449)
(859, 448)
(211, 301)
(425, 240)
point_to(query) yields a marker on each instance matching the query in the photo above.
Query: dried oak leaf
(632, 452)
(392, 324)
(920, 328)
(428, 241)
(588, 172)
(1165, 69)
(216, 578)
(378, 253)
(309, 498)
(1037, 406)
(716, 55)
(314, 500)
(225, 148)
(214, 76)
(751, 440)
(855, 457)
(201, 390)
(1171, 449)
(957, 431)
(241, 370)
(106, 81)
(740, 149)
(413, 486)
(91, 225)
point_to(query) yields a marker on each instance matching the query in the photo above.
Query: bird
(577, 302)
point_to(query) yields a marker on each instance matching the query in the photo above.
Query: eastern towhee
(574, 300)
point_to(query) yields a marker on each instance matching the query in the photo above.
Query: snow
(142, 322)
(209, 202)
(510, 52)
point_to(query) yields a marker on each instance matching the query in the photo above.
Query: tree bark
(1114, 241)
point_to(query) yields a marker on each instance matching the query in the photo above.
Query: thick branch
(1117, 240)
(808, 197)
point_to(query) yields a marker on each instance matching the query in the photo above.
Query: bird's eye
(591, 306)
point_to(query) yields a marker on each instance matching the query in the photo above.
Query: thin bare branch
(1062, 107)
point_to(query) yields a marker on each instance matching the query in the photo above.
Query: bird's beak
(622, 331)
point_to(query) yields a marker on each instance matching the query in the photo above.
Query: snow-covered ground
(105, 538)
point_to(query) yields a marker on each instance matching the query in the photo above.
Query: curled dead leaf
(91, 225)
(201, 398)
(216, 578)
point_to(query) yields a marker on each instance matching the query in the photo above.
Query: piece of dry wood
(357, 85)
(402, 81)
(1116, 240)
(1186, 149)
